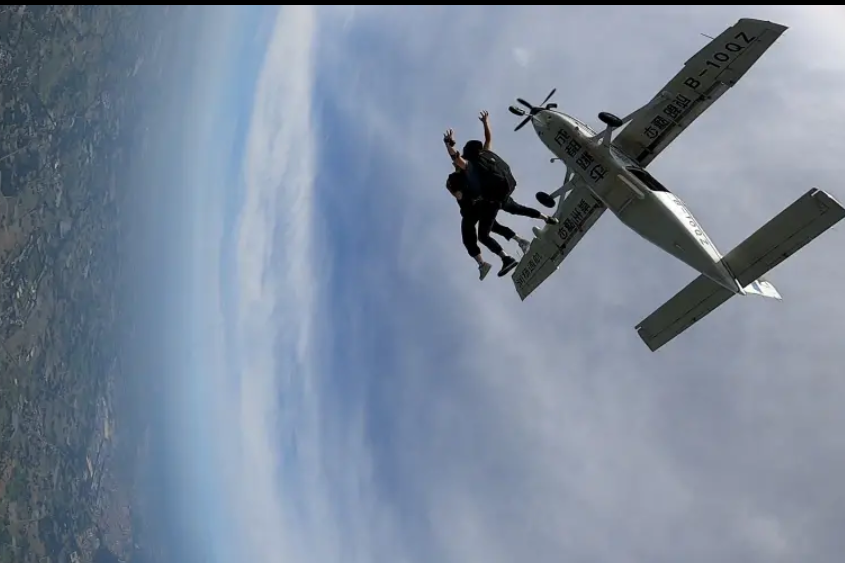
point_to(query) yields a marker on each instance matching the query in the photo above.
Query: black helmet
(455, 182)
(472, 148)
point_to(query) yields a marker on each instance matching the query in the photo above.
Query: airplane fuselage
(632, 194)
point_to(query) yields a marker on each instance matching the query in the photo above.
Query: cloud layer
(391, 408)
(276, 286)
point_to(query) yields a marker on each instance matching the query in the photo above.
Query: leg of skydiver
(514, 208)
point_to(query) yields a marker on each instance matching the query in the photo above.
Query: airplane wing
(577, 213)
(704, 78)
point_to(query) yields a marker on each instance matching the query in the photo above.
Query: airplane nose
(541, 121)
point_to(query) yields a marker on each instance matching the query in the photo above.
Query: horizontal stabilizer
(790, 230)
(784, 235)
(686, 308)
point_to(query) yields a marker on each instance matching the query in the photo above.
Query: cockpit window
(584, 128)
(647, 179)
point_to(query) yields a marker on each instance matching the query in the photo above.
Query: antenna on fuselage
(707, 36)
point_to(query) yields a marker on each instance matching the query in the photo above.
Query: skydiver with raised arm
(488, 185)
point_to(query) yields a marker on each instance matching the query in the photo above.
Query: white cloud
(430, 417)
(276, 280)
(521, 56)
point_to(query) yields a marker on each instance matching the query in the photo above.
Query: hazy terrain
(77, 88)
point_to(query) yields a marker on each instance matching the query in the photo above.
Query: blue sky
(351, 392)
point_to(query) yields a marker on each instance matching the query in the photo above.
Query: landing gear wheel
(609, 119)
(545, 199)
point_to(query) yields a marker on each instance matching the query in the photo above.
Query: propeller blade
(522, 123)
(552, 93)
(523, 102)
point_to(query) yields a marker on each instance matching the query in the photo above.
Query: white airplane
(605, 173)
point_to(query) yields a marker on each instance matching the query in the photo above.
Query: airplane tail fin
(784, 235)
(763, 288)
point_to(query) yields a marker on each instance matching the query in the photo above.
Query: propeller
(532, 110)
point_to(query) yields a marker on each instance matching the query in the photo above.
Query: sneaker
(524, 245)
(483, 270)
(551, 221)
(508, 264)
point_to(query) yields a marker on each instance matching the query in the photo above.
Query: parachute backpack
(494, 174)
